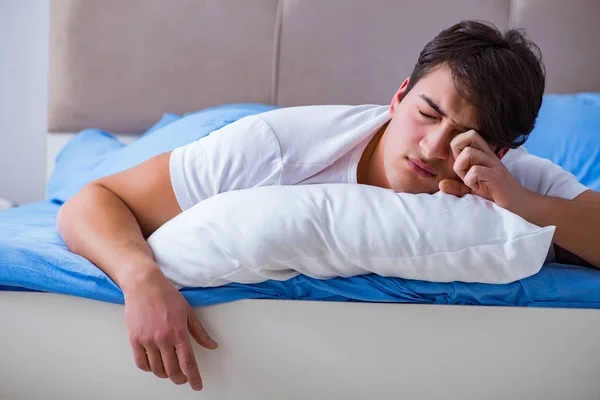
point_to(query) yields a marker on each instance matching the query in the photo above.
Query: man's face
(416, 142)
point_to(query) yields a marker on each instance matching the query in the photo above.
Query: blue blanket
(34, 257)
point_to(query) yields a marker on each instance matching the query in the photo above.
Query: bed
(132, 78)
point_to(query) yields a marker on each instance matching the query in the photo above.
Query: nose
(436, 144)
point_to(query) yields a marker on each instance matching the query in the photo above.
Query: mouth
(420, 168)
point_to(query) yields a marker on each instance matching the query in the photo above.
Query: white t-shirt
(313, 144)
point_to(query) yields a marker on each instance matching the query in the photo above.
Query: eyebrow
(441, 112)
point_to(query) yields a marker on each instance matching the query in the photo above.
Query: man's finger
(470, 139)
(156, 363)
(172, 367)
(477, 175)
(188, 364)
(470, 157)
(139, 356)
(199, 333)
(454, 187)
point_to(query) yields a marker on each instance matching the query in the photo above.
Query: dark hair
(501, 75)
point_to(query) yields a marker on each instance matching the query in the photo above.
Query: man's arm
(577, 223)
(106, 222)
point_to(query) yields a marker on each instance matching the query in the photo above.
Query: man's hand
(482, 172)
(158, 318)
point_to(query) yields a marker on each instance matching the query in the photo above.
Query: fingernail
(210, 339)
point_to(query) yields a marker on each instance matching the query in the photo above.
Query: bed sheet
(34, 257)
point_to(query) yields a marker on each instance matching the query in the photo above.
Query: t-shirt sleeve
(240, 155)
(542, 176)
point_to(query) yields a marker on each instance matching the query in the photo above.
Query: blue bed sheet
(34, 257)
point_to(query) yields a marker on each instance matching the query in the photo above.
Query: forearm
(99, 226)
(577, 223)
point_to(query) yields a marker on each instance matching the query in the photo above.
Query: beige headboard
(119, 64)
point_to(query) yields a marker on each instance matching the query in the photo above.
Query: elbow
(63, 217)
(564, 256)
(68, 213)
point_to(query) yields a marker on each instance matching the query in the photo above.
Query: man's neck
(370, 170)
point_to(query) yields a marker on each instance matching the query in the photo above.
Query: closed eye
(427, 115)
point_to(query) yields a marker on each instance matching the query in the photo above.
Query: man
(455, 125)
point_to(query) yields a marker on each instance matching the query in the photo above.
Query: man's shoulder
(542, 175)
(521, 155)
(322, 133)
(523, 164)
(323, 122)
(318, 115)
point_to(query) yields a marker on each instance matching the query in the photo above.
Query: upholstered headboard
(119, 64)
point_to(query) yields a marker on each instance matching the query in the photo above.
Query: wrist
(133, 278)
(528, 205)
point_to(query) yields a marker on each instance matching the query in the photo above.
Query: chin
(400, 186)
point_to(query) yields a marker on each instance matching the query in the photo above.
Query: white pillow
(329, 230)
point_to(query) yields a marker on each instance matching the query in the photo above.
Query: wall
(24, 29)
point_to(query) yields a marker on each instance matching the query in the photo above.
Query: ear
(502, 152)
(398, 96)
